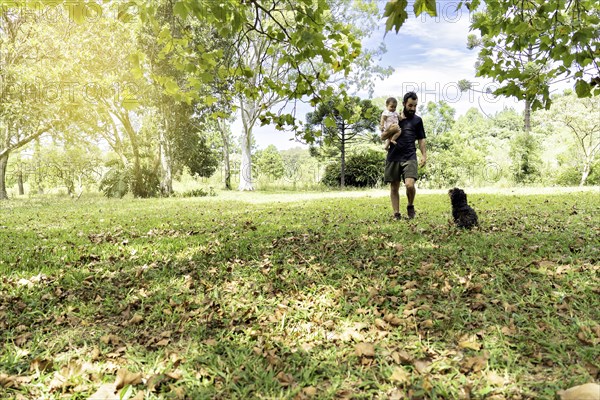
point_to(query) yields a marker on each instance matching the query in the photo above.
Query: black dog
(464, 216)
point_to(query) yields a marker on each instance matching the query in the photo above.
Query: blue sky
(429, 56)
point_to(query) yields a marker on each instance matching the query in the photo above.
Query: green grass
(226, 299)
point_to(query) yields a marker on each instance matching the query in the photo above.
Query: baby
(390, 120)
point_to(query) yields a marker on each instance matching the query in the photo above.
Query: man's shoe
(410, 211)
(397, 216)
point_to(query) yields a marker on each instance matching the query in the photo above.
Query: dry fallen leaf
(110, 339)
(469, 342)
(400, 376)
(422, 366)
(589, 391)
(136, 319)
(124, 378)
(344, 394)
(402, 357)
(25, 282)
(6, 381)
(494, 379)
(365, 350)
(476, 363)
(41, 365)
(95, 354)
(392, 320)
(285, 379)
(139, 396)
(381, 324)
(22, 339)
(427, 324)
(105, 392)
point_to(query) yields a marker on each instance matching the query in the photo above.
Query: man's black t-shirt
(412, 130)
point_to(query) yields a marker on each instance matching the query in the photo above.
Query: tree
(525, 156)
(339, 124)
(284, 52)
(523, 74)
(270, 163)
(527, 46)
(580, 118)
(182, 124)
(264, 57)
(363, 169)
(71, 165)
(459, 152)
(506, 123)
(31, 103)
(438, 118)
(118, 101)
(303, 35)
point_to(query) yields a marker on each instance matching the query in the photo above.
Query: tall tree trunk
(248, 119)
(527, 116)
(39, 176)
(343, 166)
(20, 183)
(138, 179)
(166, 162)
(3, 165)
(246, 166)
(585, 173)
(527, 113)
(226, 164)
(138, 188)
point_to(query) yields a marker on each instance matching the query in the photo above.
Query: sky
(429, 56)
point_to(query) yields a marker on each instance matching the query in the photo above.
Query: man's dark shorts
(398, 171)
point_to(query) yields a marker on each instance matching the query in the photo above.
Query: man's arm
(423, 152)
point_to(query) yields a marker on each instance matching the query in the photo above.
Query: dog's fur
(464, 216)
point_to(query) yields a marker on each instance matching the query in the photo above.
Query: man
(401, 161)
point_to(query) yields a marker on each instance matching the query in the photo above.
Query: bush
(115, 183)
(569, 176)
(119, 180)
(199, 193)
(594, 176)
(363, 169)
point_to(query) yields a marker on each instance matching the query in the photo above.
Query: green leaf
(180, 9)
(419, 7)
(522, 28)
(395, 10)
(329, 122)
(431, 8)
(427, 6)
(582, 88)
(130, 104)
(210, 100)
(171, 86)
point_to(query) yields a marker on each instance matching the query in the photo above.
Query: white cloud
(430, 57)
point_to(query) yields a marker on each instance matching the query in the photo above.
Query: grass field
(283, 298)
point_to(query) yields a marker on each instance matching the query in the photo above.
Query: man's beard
(409, 113)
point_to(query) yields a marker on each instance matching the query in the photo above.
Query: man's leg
(411, 191)
(410, 194)
(395, 196)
